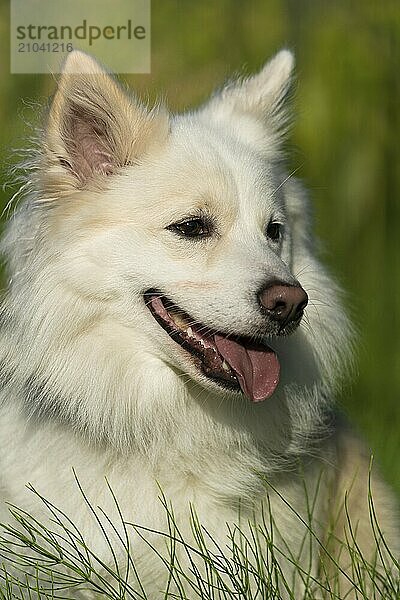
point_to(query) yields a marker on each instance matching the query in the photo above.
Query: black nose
(284, 303)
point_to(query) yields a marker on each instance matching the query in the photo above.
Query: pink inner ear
(88, 144)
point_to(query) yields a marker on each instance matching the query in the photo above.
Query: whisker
(305, 269)
(287, 179)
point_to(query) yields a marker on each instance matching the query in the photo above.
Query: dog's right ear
(94, 127)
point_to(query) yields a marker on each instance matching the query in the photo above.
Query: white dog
(168, 325)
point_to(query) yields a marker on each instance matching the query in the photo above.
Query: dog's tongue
(256, 367)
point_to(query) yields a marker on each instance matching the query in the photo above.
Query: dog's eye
(275, 231)
(193, 228)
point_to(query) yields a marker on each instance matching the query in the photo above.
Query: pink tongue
(256, 367)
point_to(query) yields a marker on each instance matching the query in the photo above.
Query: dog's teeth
(225, 366)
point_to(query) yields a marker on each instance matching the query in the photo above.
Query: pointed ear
(94, 127)
(261, 96)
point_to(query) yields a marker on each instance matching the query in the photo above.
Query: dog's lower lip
(232, 361)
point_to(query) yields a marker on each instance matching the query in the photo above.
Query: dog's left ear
(94, 127)
(261, 97)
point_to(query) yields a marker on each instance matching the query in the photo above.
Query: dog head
(181, 238)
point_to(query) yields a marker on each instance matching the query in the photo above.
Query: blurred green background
(345, 140)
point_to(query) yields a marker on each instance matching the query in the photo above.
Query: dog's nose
(284, 303)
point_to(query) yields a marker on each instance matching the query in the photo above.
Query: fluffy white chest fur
(167, 326)
(220, 483)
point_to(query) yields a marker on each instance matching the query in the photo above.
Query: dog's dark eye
(274, 231)
(193, 228)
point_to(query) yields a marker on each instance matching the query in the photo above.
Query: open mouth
(233, 362)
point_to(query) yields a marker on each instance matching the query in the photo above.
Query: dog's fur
(91, 380)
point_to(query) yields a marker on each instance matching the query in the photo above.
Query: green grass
(52, 560)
